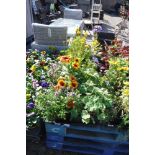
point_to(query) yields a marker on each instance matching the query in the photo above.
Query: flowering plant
(69, 88)
(73, 91)
(37, 64)
(117, 49)
(112, 62)
(115, 80)
(125, 104)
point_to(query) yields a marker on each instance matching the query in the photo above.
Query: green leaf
(85, 117)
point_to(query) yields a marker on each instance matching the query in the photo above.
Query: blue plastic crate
(87, 139)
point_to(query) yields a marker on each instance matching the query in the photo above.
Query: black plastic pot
(105, 37)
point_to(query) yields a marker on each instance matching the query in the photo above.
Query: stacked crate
(93, 140)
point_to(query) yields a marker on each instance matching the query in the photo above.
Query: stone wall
(108, 4)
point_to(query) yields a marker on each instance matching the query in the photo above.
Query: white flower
(48, 58)
(38, 88)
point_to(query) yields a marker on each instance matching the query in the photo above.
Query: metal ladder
(95, 12)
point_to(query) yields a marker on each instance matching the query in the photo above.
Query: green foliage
(96, 100)
(50, 106)
(114, 80)
(69, 88)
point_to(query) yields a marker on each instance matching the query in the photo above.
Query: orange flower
(76, 60)
(76, 65)
(72, 78)
(74, 84)
(61, 83)
(65, 59)
(57, 87)
(70, 104)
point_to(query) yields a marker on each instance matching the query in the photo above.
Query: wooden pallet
(93, 140)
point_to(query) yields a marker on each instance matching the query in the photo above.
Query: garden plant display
(116, 49)
(113, 64)
(69, 88)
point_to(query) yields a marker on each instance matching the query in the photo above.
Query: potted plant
(113, 63)
(74, 82)
(74, 102)
(37, 64)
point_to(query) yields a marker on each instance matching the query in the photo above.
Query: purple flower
(30, 105)
(97, 28)
(44, 84)
(95, 59)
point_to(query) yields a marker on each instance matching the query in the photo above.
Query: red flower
(65, 59)
(70, 104)
(72, 78)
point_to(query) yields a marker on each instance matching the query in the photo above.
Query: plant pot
(37, 133)
(87, 139)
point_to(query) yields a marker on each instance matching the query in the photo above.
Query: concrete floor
(110, 23)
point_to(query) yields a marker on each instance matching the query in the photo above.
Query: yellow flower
(119, 69)
(78, 32)
(126, 92)
(33, 68)
(34, 52)
(76, 60)
(125, 68)
(95, 43)
(46, 67)
(86, 46)
(28, 96)
(43, 52)
(44, 60)
(112, 62)
(83, 40)
(85, 33)
(126, 83)
(76, 65)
